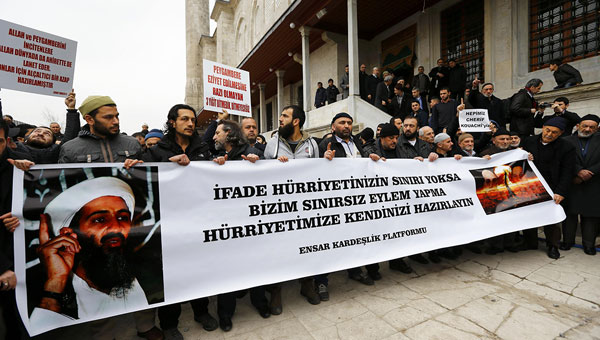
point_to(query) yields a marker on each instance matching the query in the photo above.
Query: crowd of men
(567, 154)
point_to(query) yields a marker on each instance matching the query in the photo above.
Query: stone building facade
(285, 44)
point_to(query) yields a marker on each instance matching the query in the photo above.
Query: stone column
(305, 32)
(197, 24)
(263, 108)
(280, 96)
(353, 48)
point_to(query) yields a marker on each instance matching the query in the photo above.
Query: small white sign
(35, 61)
(226, 87)
(474, 120)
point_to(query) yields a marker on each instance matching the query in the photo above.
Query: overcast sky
(132, 51)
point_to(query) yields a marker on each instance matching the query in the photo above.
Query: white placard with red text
(474, 120)
(35, 61)
(226, 87)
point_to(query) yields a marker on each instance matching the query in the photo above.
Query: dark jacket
(493, 104)
(443, 114)
(362, 79)
(584, 196)
(406, 150)
(89, 148)
(492, 150)
(339, 148)
(382, 94)
(571, 118)
(457, 78)
(50, 154)
(422, 117)
(370, 147)
(402, 109)
(421, 81)
(437, 82)
(167, 148)
(372, 83)
(6, 237)
(332, 92)
(555, 161)
(236, 152)
(567, 74)
(521, 118)
(320, 97)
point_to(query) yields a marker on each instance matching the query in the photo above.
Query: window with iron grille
(462, 36)
(563, 29)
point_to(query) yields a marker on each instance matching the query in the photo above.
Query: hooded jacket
(89, 148)
(307, 148)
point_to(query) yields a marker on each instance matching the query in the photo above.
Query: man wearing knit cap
(83, 234)
(99, 141)
(555, 159)
(368, 143)
(585, 190)
(153, 137)
(343, 144)
(442, 147)
(466, 142)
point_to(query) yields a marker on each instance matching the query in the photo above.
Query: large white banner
(226, 87)
(99, 240)
(35, 61)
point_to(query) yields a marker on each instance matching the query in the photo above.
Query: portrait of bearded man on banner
(89, 254)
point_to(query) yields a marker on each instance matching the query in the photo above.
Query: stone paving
(506, 296)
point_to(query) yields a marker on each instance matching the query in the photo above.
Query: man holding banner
(555, 159)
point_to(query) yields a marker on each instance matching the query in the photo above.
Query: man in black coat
(523, 107)
(486, 100)
(555, 159)
(332, 92)
(400, 105)
(320, 96)
(457, 79)
(181, 144)
(445, 113)
(585, 191)
(382, 94)
(250, 130)
(362, 82)
(560, 106)
(8, 223)
(342, 144)
(439, 78)
(565, 74)
(371, 85)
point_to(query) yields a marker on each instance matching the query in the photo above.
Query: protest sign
(35, 61)
(474, 120)
(226, 87)
(176, 233)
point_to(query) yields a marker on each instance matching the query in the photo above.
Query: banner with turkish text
(97, 240)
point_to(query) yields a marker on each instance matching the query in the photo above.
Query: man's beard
(410, 136)
(219, 145)
(286, 131)
(581, 134)
(503, 147)
(102, 130)
(37, 143)
(108, 268)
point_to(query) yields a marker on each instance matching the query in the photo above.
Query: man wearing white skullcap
(83, 233)
(442, 147)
